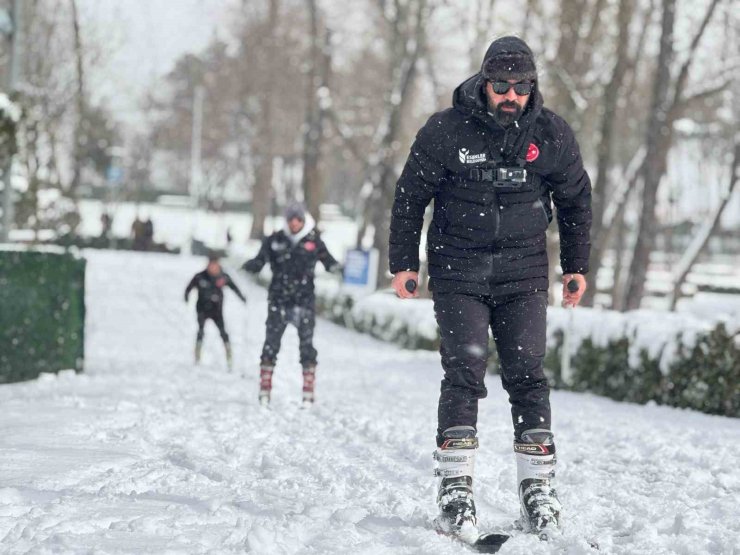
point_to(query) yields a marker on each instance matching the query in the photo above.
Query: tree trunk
(316, 112)
(605, 147)
(665, 108)
(262, 189)
(79, 131)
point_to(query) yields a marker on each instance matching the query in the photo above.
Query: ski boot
(540, 507)
(309, 379)
(227, 348)
(198, 349)
(266, 370)
(455, 465)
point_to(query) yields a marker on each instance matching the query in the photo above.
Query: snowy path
(143, 453)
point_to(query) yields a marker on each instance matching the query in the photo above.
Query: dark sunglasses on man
(521, 89)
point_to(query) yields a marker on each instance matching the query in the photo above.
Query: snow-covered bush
(679, 359)
(675, 359)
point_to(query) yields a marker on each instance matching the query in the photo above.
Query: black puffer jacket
(293, 262)
(211, 290)
(487, 237)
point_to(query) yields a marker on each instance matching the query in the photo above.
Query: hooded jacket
(292, 259)
(487, 235)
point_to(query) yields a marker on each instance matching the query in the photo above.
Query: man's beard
(506, 118)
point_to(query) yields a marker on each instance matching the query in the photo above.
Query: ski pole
(572, 286)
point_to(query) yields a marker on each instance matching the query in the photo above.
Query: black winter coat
(293, 266)
(211, 290)
(488, 238)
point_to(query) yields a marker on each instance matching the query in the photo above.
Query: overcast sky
(141, 40)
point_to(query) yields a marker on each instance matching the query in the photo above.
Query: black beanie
(509, 58)
(295, 210)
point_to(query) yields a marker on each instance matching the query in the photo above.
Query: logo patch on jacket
(220, 282)
(467, 158)
(310, 246)
(533, 152)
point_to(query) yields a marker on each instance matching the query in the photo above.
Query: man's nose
(510, 94)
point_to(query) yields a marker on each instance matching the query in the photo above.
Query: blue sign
(114, 175)
(357, 268)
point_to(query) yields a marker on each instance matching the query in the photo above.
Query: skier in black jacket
(210, 283)
(292, 254)
(493, 163)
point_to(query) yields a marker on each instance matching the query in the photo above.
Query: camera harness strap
(490, 174)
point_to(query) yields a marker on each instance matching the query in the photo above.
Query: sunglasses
(521, 89)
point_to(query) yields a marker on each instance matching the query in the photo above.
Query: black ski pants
(518, 325)
(215, 314)
(278, 318)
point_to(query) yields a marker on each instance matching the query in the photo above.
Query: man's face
(507, 107)
(214, 268)
(295, 225)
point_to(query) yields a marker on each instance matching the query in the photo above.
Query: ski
(489, 543)
(483, 543)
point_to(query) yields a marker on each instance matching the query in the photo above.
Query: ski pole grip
(572, 286)
(410, 285)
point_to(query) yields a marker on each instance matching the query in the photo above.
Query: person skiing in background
(493, 163)
(292, 254)
(210, 284)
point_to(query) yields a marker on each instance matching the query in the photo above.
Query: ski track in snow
(146, 453)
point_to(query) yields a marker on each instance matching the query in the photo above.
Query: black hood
(470, 99)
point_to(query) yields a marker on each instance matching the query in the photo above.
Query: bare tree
(483, 19)
(406, 24)
(264, 149)
(701, 239)
(668, 101)
(80, 101)
(316, 109)
(605, 148)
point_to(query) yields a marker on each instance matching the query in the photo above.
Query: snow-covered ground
(145, 453)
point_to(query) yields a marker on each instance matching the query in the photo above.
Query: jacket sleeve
(191, 285)
(329, 262)
(230, 284)
(419, 182)
(255, 264)
(571, 193)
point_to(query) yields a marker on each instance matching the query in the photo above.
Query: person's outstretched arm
(230, 283)
(191, 285)
(256, 264)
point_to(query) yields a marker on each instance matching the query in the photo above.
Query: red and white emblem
(533, 152)
(310, 246)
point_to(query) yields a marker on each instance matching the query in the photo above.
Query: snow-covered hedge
(669, 358)
(675, 359)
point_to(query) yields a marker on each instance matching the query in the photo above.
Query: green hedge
(703, 376)
(42, 313)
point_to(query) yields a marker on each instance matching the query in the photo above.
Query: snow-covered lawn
(145, 453)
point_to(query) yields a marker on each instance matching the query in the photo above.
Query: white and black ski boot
(266, 370)
(455, 464)
(229, 360)
(309, 381)
(535, 462)
(198, 350)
